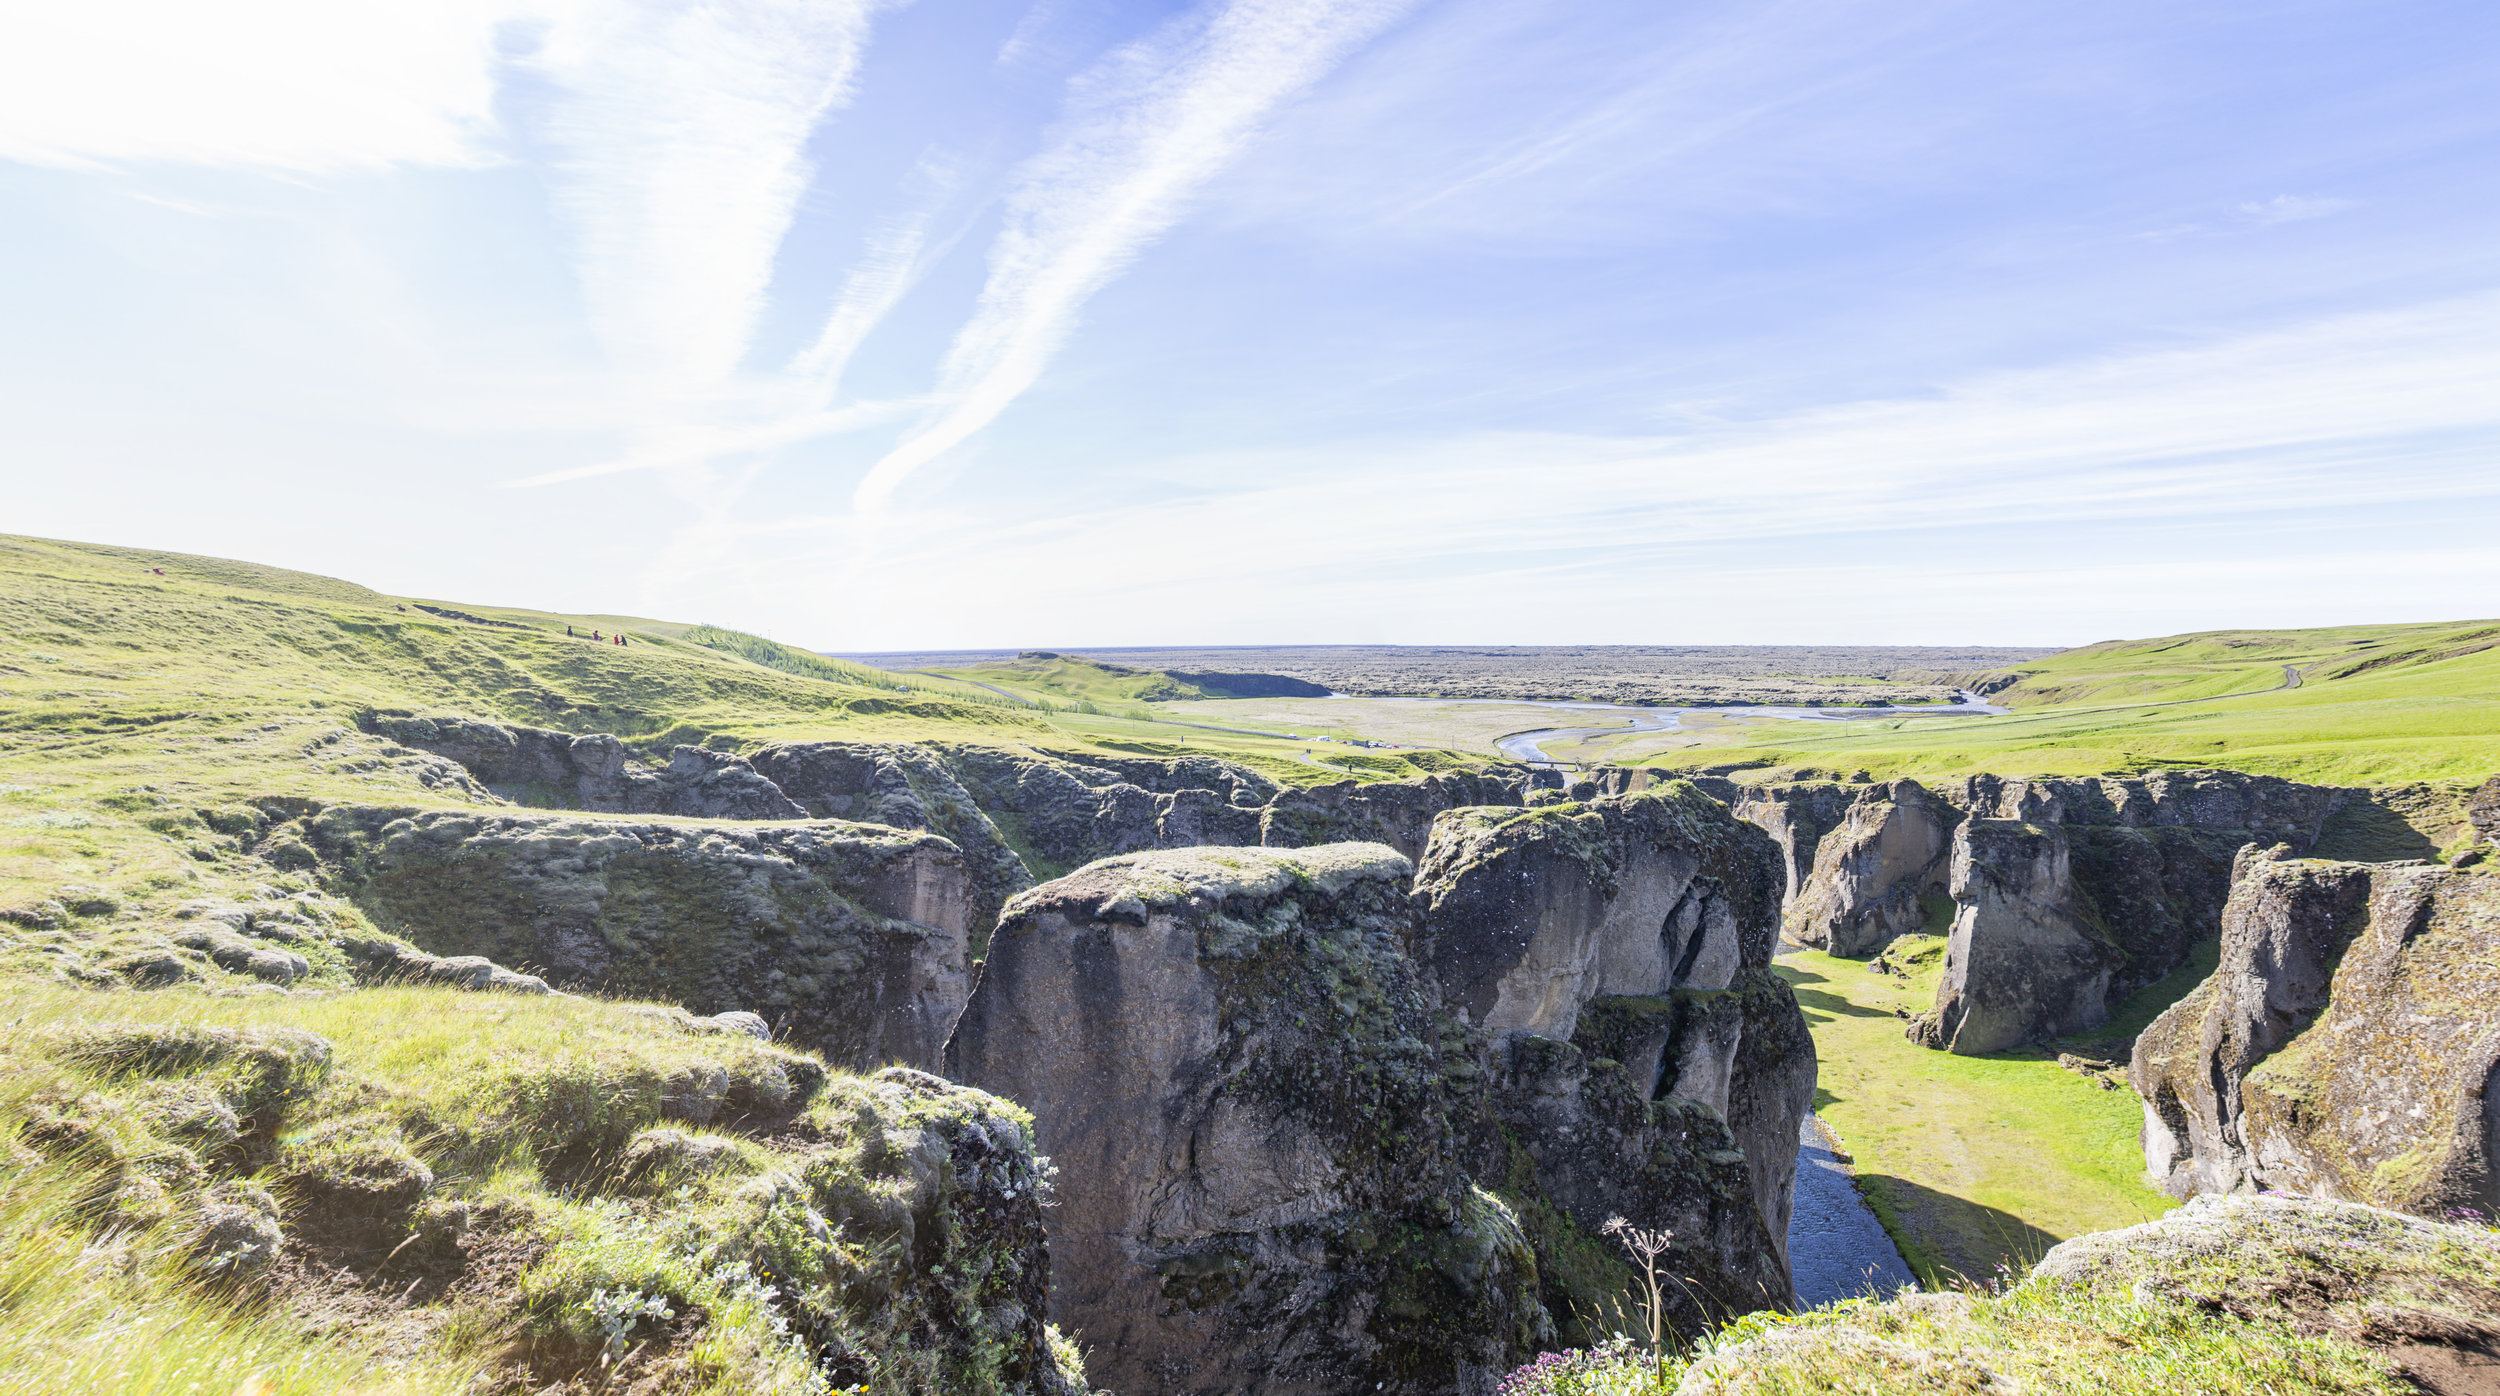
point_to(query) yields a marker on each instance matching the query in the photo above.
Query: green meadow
(2376, 705)
(1973, 1163)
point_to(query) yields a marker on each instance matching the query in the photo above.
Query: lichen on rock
(2343, 1047)
(1260, 1121)
(853, 939)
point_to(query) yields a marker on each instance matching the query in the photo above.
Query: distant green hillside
(1073, 678)
(2220, 662)
(2361, 704)
(134, 681)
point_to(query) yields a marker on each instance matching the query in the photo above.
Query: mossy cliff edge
(1297, 1153)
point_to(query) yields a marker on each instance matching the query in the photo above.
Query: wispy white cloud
(296, 86)
(2292, 208)
(681, 134)
(2366, 412)
(2257, 213)
(1146, 130)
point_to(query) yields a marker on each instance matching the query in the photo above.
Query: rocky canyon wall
(2347, 1046)
(1317, 1133)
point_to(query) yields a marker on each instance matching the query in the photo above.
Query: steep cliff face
(1316, 1133)
(2054, 924)
(532, 766)
(1796, 817)
(1618, 951)
(1873, 874)
(1397, 813)
(2347, 1046)
(904, 787)
(1261, 1124)
(2265, 808)
(850, 938)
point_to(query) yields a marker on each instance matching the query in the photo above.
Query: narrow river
(1529, 746)
(1836, 1247)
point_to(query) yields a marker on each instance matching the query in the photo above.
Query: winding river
(1529, 746)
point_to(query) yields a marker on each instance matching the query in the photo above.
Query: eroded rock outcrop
(1619, 951)
(1318, 1134)
(1874, 874)
(2348, 1045)
(2053, 925)
(850, 938)
(1260, 1121)
(1795, 816)
(533, 766)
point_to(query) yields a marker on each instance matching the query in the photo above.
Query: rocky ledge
(853, 939)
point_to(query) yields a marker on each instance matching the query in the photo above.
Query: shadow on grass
(1950, 1240)
(1833, 1005)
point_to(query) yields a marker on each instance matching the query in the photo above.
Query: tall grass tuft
(132, 1313)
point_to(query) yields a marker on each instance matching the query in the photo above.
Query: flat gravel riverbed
(1836, 1248)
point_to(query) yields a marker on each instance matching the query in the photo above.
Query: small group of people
(616, 639)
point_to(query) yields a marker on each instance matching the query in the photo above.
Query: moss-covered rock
(534, 766)
(1261, 1123)
(850, 938)
(1309, 1138)
(2343, 1047)
(1652, 1066)
(566, 1190)
(2240, 1296)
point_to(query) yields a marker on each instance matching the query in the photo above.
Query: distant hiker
(568, 630)
(594, 634)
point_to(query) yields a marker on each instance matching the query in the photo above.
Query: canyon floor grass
(1972, 1163)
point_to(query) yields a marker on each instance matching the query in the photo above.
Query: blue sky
(978, 322)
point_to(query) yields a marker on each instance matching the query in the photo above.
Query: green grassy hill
(1044, 676)
(131, 679)
(2372, 705)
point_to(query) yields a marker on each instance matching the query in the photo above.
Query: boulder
(1261, 1125)
(1874, 874)
(852, 939)
(2345, 1046)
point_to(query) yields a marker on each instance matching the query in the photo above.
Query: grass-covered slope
(250, 1143)
(133, 701)
(1043, 675)
(2373, 706)
(456, 1192)
(2231, 1296)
